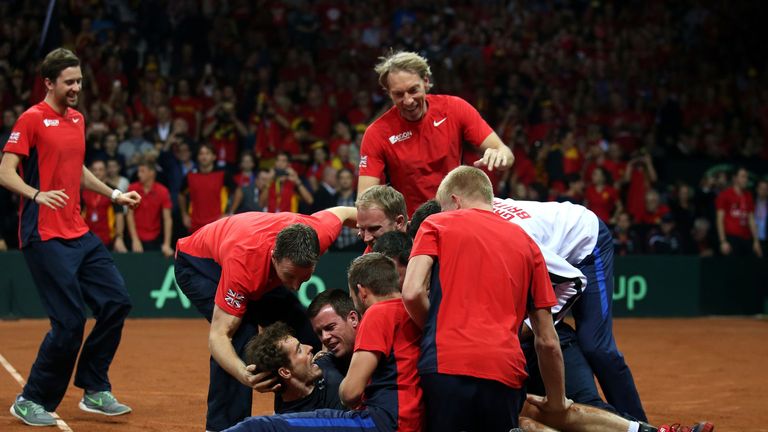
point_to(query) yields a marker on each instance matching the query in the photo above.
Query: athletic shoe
(31, 413)
(698, 427)
(104, 403)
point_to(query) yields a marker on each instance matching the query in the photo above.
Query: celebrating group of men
(431, 335)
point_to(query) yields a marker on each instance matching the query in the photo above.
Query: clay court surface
(686, 370)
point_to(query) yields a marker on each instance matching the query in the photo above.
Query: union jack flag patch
(234, 299)
(364, 161)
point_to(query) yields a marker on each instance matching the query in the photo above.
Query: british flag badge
(234, 299)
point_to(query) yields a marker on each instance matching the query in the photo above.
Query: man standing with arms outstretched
(70, 265)
(420, 139)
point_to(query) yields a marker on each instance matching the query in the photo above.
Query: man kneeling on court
(382, 385)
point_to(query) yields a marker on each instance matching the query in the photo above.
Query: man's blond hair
(467, 182)
(384, 198)
(403, 61)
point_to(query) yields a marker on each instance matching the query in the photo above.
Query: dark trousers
(316, 421)
(229, 402)
(464, 403)
(594, 330)
(579, 378)
(70, 274)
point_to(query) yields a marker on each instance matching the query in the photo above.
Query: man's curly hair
(264, 351)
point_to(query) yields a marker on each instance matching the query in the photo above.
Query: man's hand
(549, 406)
(137, 247)
(493, 158)
(130, 199)
(167, 250)
(186, 220)
(757, 248)
(53, 199)
(262, 382)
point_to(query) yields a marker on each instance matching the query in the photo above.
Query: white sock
(633, 427)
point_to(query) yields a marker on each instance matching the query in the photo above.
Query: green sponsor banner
(644, 286)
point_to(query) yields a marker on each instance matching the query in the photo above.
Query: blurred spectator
(640, 175)
(736, 228)
(348, 240)
(114, 177)
(664, 238)
(224, 131)
(574, 191)
(251, 184)
(654, 209)
(316, 169)
(105, 219)
(682, 208)
(134, 148)
(285, 190)
(601, 197)
(624, 236)
(205, 192)
(703, 238)
(150, 224)
(186, 106)
(9, 118)
(325, 195)
(162, 128)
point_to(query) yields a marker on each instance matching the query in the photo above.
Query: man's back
(488, 271)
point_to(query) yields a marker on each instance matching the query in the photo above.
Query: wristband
(116, 193)
(34, 198)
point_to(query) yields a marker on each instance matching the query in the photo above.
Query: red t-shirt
(417, 155)
(242, 246)
(149, 215)
(387, 330)
(52, 147)
(602, 203)
(187, 108)
(488, 268)
(99, 215)
(208, 196)
(737, 208)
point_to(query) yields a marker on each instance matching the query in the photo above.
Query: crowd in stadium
(274, 97)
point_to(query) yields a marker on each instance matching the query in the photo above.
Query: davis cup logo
(234, 299)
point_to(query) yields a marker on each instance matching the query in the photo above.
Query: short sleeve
(232, 294)
(372, 162)
(425, 242)
(376, 332)
(474, 129)
(328, 227)
(22, 136)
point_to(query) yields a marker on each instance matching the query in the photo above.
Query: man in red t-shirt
(151, 225)
(736, 227)
(419, 140)
(70, 265)
(231, 270)
(205, 192)
(382, 383)
(471, 280)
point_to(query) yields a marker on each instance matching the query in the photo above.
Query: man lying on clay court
(382, 384)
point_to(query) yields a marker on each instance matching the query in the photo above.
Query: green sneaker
(31, 413)
(104, 403)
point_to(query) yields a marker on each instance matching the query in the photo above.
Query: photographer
(224, 131)
(286, 190)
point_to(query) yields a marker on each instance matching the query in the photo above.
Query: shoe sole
(85, 408)
(13, 413)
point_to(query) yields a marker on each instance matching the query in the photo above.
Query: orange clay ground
(686, 370)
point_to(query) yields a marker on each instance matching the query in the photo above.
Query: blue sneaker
(104, 403)
(31, 413)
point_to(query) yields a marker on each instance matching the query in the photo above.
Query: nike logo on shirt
(438, 123)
